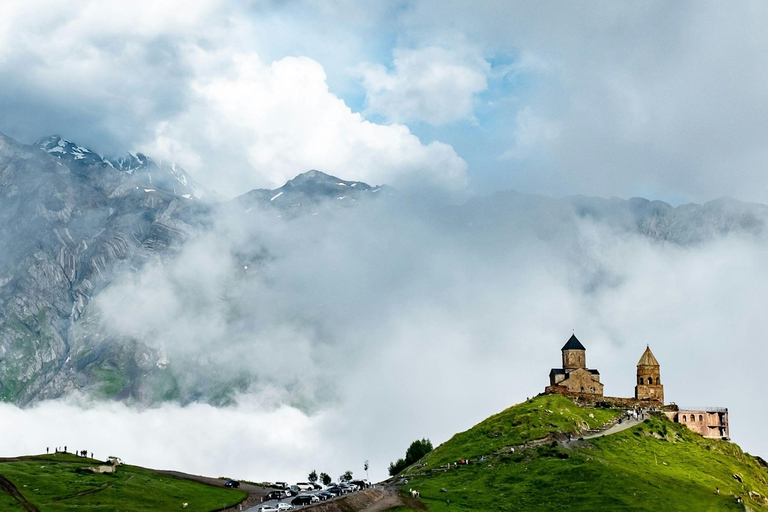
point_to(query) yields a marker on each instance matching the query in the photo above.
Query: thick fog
(361, 329)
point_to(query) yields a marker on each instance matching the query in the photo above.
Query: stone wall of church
(582, 381)
(574, 359)
(600, 400)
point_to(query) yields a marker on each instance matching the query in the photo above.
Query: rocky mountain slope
(656, 465)
(309, 190)
(72, 222)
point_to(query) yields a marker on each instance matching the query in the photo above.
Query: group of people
(636, 414)
(80, 453)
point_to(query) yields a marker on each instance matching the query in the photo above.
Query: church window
(582, 389)
(640, 380)
(658, 381)
(650, 381)
(701, 418)
(685, 418)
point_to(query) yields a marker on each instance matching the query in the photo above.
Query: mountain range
(72, 222)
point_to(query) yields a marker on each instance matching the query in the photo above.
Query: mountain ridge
(73, 223)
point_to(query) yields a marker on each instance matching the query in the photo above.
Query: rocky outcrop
(70, 221)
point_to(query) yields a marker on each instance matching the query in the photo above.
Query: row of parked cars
(307, 494)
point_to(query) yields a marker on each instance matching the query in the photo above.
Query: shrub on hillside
(416, 451)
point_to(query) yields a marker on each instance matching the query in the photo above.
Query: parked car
(281, 485)
(234, 484)
(303, 499)
(324, 495)
(295, 489)
(284, 506)
(304, 486)
(362, 484)
(335, 490)
(277, 495)
(316, 486)
(268, 508)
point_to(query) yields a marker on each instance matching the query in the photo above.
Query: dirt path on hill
(615, 429)
(7, 486)
(255, 493)
(392, 500)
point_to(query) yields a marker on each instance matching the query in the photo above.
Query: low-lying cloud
(372, 326)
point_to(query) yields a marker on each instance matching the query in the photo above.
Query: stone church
(574, 376)
(575, 379)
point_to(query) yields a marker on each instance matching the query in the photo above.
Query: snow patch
(276, 196)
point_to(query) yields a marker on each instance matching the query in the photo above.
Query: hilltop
(52, 483)
(654, 465)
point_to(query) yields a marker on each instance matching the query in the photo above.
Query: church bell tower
(649, 385)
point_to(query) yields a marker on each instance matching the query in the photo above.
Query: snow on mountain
(309, 189)
(145, 172)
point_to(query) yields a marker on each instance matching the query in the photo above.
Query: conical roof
(573, 344)
(648, 359)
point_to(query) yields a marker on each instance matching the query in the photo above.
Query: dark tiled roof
(573, 344)
(557, 371)
(594, 372)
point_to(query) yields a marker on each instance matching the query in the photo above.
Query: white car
(284, 506)
(269, 508)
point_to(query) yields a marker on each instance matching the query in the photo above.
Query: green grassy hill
(52, 483)
(654, 466)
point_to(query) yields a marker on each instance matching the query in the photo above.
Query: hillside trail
(615, 429)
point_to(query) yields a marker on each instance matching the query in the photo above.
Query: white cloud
(432, 84)
(185, 82)
(651, 95)
(251, 441)
(532, 131)
(258, 124)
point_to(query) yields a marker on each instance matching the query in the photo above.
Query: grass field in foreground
(52, 484)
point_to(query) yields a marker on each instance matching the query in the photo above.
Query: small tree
(416, 451)
(312, 476)
(325, 478)
(396, 467)
(346, 477)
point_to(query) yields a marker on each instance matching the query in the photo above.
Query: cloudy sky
(405, 325)
(618, 98)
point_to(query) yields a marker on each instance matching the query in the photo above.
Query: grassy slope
(655, 466)
(533, 419)
(52, 484)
